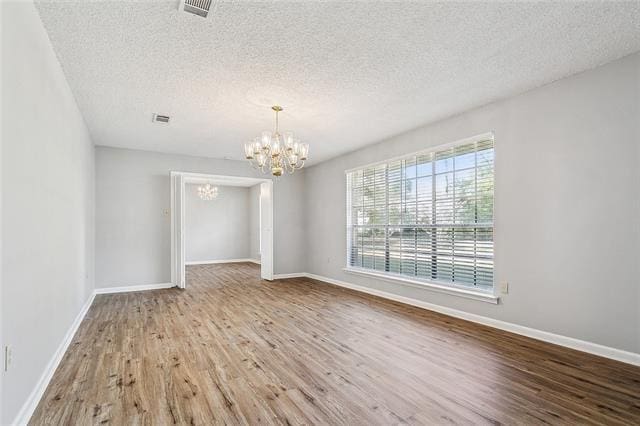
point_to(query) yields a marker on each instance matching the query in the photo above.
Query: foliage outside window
(428, 216)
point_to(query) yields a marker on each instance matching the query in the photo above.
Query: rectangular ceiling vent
(196, 7)
(157, 118)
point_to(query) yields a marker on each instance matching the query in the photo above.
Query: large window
(427, 216)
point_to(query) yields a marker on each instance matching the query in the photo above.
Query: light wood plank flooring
(232, 349)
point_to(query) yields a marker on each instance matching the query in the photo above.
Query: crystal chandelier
(275, 153)
(207, 192)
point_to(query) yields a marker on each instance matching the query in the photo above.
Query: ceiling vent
(196, 7)
(157, 118)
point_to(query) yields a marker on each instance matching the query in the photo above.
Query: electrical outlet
(8, 357)
(504, 287)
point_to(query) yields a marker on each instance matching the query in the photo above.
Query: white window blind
(428, 216)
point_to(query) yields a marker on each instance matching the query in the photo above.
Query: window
(427, 216)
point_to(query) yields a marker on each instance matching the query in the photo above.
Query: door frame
(178, 185)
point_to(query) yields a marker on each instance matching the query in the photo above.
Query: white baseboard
(294, 275)
(125, 289)
(256, 261)
(212, 262)
(557, 339)
(25, 413)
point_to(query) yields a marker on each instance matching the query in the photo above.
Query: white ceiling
(347, 73)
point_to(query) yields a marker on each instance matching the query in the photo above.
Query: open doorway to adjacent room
(220, 219)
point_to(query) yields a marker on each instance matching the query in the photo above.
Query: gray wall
(567, 234)
(133, 230)
(217, 229)
(47, 202)
(254, 222)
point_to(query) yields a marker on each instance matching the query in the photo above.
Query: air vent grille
(158, 118)
(197, 7)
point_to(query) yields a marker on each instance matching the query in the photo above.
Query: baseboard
(294, 275)
(25, 413)
(212, 262)
(256, 261)
(545, 336)
(125, 289)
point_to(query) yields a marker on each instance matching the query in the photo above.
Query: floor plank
(233, 349)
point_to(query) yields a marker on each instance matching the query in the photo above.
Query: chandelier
(275, 153)
(207, 192)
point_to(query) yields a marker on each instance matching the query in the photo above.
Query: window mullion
(387, 257)
(434, 247)
(475, 210)
(453, 217)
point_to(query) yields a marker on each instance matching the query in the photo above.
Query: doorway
(179, 181)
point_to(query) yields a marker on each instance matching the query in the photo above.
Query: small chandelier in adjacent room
(275, 153)
(207, 192)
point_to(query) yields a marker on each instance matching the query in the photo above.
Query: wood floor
(232, 349)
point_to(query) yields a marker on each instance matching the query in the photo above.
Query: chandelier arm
(290, 168)
(254, 164)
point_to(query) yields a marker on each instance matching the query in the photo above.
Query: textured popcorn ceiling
(347, 73)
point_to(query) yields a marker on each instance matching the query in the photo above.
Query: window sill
(455, 291)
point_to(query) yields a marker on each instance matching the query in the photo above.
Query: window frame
(438, 286)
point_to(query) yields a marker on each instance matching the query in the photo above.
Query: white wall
(133, 229)
(217, 229)
(567, 232)
(47, 204)
(254, 222)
